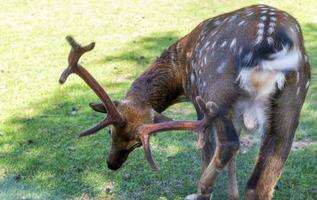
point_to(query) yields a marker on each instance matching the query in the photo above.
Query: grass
(41, 156)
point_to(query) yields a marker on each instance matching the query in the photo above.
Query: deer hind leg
(227, 146)
(277, 141)
(207, 154)
(233, 192)
(209, 148)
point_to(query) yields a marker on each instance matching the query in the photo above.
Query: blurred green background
(41, 156)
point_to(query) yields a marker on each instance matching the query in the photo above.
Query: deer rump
(258, 51)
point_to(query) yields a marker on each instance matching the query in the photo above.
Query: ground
(41, 156)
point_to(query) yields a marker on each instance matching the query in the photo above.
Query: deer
(242, 70)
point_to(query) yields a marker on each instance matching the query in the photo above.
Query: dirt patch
(248, 141)
(303, 143)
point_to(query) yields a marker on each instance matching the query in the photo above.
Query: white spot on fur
(232, 18)
(213, 45)
(233, 43)
(292, 30)
(223, 44)
(307, 84)
(270, 40)
(213, 33)
(204, 83)
(270, 30)
(221, 68)
(251, 13)
(207, 43)
(240, 50)
(272, 24)
(173, 59)
(263, 18)
(192, 78)
(297, 28)
(298, 90)
(217, 22)
(272, 13)
(264, 11)
(241, 23)
(273, 19)
(286, 59)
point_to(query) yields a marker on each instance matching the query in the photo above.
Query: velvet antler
(113, 116)
(210, 110)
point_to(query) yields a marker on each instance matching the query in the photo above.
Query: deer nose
(112, 166)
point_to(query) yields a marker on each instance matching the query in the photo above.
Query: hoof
(233, 198)
(250, 194)
(198, 197)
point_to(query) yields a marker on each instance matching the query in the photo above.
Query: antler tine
(210, 110)
(75, 53)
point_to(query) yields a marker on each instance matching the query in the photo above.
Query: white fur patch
(286, 59)
(253, 108)
(244, 79)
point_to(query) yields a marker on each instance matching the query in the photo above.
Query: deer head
(132, 123)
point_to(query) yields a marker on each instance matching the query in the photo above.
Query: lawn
(41, 156)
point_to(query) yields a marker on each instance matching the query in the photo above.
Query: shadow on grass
(55, 164)
(143, 50)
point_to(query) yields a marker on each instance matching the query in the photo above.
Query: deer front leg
(277, 142)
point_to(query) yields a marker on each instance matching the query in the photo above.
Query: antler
(113, 116)
(210, 110)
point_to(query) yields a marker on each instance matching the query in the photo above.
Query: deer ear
(99, 107)
(159, 118)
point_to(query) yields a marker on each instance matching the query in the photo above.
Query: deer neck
(161, 83)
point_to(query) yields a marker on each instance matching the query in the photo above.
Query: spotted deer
(245, 69)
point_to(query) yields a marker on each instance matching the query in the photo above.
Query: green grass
(38, 132)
